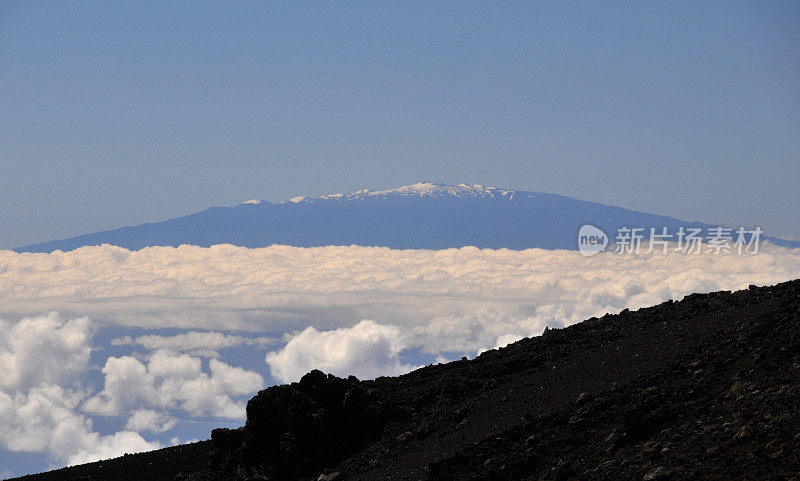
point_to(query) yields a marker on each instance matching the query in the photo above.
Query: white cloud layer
(199, 343)
(42, 363)
(447, 300)
(173, 381)
(366, 350)
(147, 420)
(45, 396)
(43, 349)
(45, 419)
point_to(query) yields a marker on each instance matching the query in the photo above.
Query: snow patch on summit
(420, 189)
(435, 189)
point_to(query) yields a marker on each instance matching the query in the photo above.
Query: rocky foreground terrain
(704, 388)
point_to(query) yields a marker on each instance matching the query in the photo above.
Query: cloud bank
(440, 303)
(173, 381)
(42, 363)
(46, 402)
(366, 350)
(43, 350)
(199, 343)
(445, 301)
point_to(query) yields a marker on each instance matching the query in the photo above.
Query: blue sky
(120, 113)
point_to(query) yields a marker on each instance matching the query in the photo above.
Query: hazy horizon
(119, 114)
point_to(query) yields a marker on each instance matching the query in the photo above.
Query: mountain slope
(704, 388)
(419, 216)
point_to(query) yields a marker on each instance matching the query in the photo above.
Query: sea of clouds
(74, 395)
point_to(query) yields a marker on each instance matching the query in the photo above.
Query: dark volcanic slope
(161, 465)
(704, 388)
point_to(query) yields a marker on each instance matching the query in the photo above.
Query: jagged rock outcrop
(298, 429)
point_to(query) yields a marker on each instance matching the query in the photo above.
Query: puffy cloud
(31, 420)
(366, 350)
(111, 446)
(147, 420)
(198, 343)
(128, 385)
(43, 360)
(507, 339)
(43, 349)
(44, 363)
(45, 419)
(39, 356)
(172, 381)
(234, 380)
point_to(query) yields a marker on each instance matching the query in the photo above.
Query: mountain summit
(425, 215)
(431, 190)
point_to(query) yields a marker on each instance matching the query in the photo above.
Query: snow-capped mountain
(431, 190)
(419, 216)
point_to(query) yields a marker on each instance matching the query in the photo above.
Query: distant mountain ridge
(430, 190)
(425, 215)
